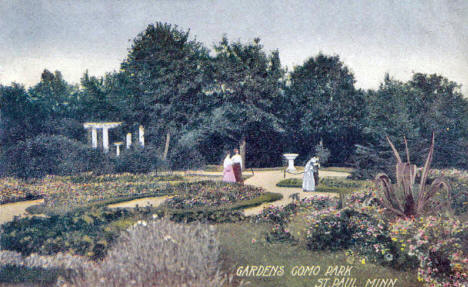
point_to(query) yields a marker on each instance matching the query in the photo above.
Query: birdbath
(290, 157)
(117, 150)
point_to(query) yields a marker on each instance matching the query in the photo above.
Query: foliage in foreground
(90, 231)
(148, 253)
(437, 243)
(405, 199)
(433, 244)
(85, 233)
(159, 253)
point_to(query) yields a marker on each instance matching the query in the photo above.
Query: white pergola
(105, 126)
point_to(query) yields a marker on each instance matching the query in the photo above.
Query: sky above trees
(371, 37)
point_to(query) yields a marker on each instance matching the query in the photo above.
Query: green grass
(238, 249)
(338, 169)
(328, 184)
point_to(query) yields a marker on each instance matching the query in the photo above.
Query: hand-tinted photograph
(232, 143)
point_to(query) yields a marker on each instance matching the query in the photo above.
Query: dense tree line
(195, 103)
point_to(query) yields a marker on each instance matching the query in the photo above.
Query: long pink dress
(228, 173)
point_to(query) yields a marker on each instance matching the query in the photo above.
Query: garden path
(9, 210)
(268, 180)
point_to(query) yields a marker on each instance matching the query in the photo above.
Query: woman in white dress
(308, 182)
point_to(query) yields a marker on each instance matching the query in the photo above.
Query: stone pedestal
(290, 157)
(117, 148)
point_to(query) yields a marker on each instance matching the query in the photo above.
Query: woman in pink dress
(228, 172)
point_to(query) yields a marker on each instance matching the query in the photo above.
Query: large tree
(59, 105)
(20, 116)
(415, 109)
(324, 105)
(246, 93)
(166, 73)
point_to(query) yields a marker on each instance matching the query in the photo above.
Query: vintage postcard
(234, 143)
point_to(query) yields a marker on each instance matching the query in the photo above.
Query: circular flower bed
(211, 194)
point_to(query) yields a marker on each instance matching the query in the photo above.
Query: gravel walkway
(268, 180)
(9, 210)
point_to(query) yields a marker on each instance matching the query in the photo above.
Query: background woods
(195, 102)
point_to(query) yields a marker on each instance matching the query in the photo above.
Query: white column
(105, 139)
(141, 136)
(117, 151)
(129, 140)
(94, 137)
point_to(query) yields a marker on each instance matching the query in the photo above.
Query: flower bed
(437, 243)
(71, 191)
(63, 194)
(208, 194)
(13, 190)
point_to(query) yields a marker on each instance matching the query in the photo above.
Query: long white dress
(308, 182)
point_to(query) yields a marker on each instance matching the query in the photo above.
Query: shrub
(210, 216)
(322, 152)
(440, 246)
(44, 154)
(138, 160)
(159, 253)
(84, 233)
(185, 154)
(349, 229)
(279, 217)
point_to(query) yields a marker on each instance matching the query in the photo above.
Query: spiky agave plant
(405, 198)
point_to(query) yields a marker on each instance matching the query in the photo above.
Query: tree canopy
(195, 104)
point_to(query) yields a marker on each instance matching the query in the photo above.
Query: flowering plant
(437, 243)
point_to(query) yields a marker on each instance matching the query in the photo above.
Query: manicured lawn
(244, 244)
(328, 184)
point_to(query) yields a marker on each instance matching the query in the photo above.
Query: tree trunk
(166, 148)
(242, 151)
